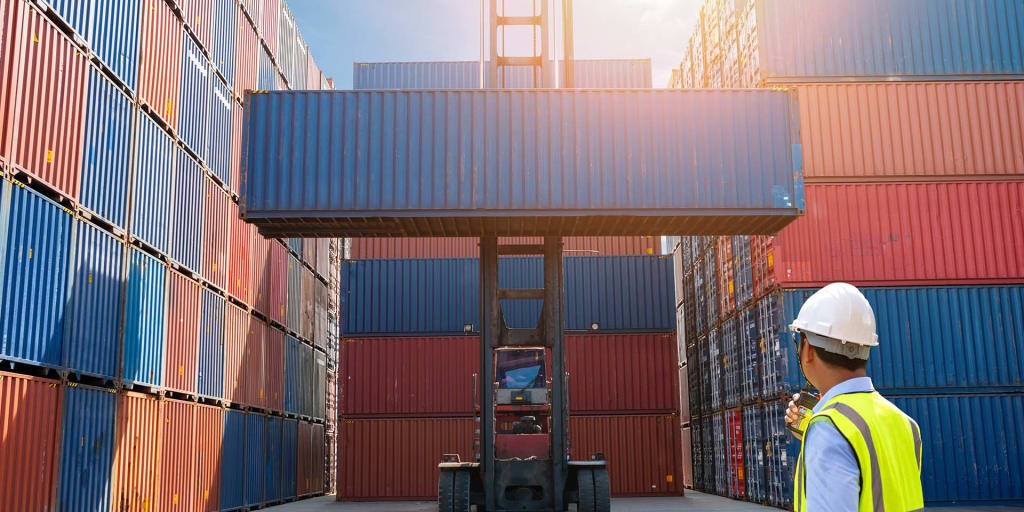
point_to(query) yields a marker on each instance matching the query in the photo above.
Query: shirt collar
(854, 385)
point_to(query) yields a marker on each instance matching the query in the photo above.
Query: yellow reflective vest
(887, 444)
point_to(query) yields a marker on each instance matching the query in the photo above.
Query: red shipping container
(198, 16)
(396, 459)
(216, 235)
(236, 332)
(177, 456)
(137, 455)
(308, 323)
(182, 333)
(724, 276)
(11, 14)
(44, 127)
(388, 248)
(737, 486)
(209, 432)
(643, 452)
(237, 116)
(305, 462)
(894, 131)
(29, 419)
(240, 271)
(247, 54)
(275, 284)
(905, 234)
(270, 12)
(160, 60)
(252, 364)
(762, 261)
(273, 367)
(318, 458)
(622, 373)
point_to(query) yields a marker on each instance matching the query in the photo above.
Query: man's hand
(793, 415)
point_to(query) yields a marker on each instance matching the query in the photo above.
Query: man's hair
(840, 361)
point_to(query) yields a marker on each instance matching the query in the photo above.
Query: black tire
(461, 495)
(602, 491)
(446, 492)
(585, 482)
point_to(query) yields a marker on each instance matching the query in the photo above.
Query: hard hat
(838, 318)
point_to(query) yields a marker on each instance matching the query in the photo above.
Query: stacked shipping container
(127, 275)
(913, 164)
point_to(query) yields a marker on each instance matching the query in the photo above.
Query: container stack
(166, 354)
(911, 144)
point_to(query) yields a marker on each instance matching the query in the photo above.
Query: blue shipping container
(743, 274)
(861, 40)
(272, 471)
(267, 79)
(187, 221)
(948, 338)
(255, 459)
(211, 346)
(233, 463)
(647, 162)
(780, 370)
(781, 451)
(155, 153)
(587, 74)
(750, 355)
(97, 291)
(35, 240)
(715, 375)
(115, 38)
(289, 457)
(106, 164)
(293, 375)
(225, 36)
(194, 119)
(87, 449)
(76, 14)
(221, 105)
(145, 315)
(754, 445)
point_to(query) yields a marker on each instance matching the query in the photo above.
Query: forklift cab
(522, 404)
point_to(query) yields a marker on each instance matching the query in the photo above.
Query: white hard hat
(839, 319)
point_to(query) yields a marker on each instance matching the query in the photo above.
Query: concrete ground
(692, 502)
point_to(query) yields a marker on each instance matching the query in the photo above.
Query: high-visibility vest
(887, 443)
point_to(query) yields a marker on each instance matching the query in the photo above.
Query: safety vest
(887, 444)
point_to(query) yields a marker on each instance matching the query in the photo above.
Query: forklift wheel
(446, 491)
(585, 483)
(602, 491)
(461, 502)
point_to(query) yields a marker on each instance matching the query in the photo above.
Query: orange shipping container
(138, 451)
(177, 457)
(182, 333)
(160, 60)
(236, 332)
(216, 235)
(252, 364)
(29, 416)
(240, 273)
(643, 452)
(209, 432)
(899, 131)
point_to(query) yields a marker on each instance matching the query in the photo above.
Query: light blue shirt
(833, 476)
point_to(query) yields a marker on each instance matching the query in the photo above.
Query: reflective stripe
(865, 432)
(917, 440)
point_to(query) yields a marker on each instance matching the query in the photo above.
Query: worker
(859, 452)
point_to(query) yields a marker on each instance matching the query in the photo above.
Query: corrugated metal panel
(318, 442)
(211, 345)
(251, 8)
(182, 333)
(178, 457)
(137, 451)
(273, 368)
(320, 315)
(155, 154)
(308, 304)
(216, 235)
(588, 74)
(276, 285)
(109, 128)
(912, 130)
(159, 61)
(285, 40)
(881, 40)
(115, 38)
(225, 32)
(240, 272)
(247, 58)
(289, 457)
(46, 127)
(304, 479)
(687, 456)
(942, 338)
(272, 471)
(295, 245)
(323, 256)
(297, 77)
(973, 446)
(306, 373)
(29, 413)
(199, 17)
(36, 235)
(754, 447)
(75, 14)
(389, 248)
(252, 364)
(294, 308)
(97, 291)
(255, 459)
(312, 72)
(145, 306)
(209, 438)
(622, 372)
(12, 12)
(642, 451)
(186, 214)
(194, 120)
(87, 449)
(233, 463)
(905, 233)
(234, 155)
(308, 252)
(269, 14)
(266, 73)
(293, 373)
(684, 395)
(373, 450)
(319, 384)
(236, 331)
(622, 169)
(220, 157)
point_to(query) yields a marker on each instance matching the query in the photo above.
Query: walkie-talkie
(804, 405)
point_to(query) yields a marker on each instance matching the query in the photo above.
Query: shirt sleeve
(833, 476)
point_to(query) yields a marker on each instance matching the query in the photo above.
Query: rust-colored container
(902, 131)
(240, 271)
(29, 417)
(396, 459)
(275, 283)
(260, 258)
(247, 54)
(137, 456)
(216, 234)
(177, 456)
(11, 28)
(160, 60)
(305, 463)
(905, 234)
(236, 332)
(308, 322)
(198, 16)
(724, 276)
(273, 368)
(622, 373)
(318, 458)
(209, 429)
(252, 364)
(44, 130)
(182, 333)
(642, 451)
(762, 261)
(389, 248)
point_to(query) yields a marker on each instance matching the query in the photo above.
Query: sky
(340, 32)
